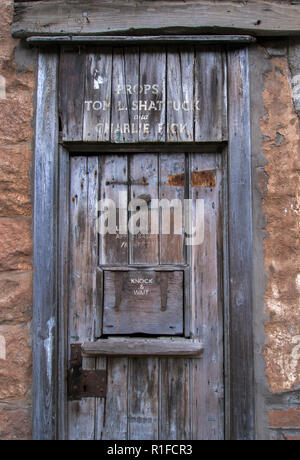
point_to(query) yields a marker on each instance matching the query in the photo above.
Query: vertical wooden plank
(63, 290)
(174, 373)
(226, 300)
(210, 96)
(95, 299)
(143, 399)
(172, 187)
(115, 422)
(71, 93)
(180, 94)
(113, 182)
(125, 95)
(240, 248)
(207, 315)
(83, 265)
(175, 400)
(144, 249)
(101, 363)
(45, 241)
(152, 99)
(97, 95)
(114, 251)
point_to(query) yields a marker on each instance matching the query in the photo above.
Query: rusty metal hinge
(84, 383)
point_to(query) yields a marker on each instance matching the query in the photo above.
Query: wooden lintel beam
(133, 17)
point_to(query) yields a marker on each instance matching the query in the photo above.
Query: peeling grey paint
(48, 344)
(294, 65)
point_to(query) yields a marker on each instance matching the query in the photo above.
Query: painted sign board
(129, 95)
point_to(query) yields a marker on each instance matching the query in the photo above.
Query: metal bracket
(84, 383)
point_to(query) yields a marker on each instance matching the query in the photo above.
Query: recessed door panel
(143, 302)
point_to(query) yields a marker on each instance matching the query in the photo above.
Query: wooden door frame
(51, 186)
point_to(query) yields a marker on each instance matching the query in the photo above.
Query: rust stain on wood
(199, 179)
(204, 179)
(176, 180)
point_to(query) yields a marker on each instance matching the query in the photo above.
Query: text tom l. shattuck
(141, 111)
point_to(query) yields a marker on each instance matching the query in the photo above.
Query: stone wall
(16, 112)
(275, 96)
(281, 145)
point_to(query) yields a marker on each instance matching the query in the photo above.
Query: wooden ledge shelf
(163, 347)
(141, 40)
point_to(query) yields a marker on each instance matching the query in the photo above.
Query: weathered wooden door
(145, 127)
(148, 397)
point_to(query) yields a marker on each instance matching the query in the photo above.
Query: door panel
(155, 308)
(144, 249)
(149, 398)
(114, 182)
(173, 186)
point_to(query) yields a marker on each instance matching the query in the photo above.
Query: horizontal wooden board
(143, 302)
(164, 347)
(124, 40)
(203, 147)
(255, 17)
